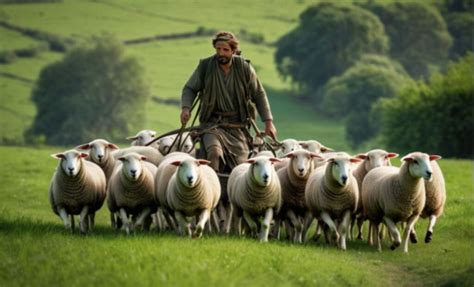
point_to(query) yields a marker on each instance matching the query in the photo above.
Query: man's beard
(223, 60)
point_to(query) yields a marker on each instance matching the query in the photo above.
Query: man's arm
(189, 93)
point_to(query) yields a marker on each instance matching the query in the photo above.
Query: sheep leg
(308, 220)
(253, 226)
(63, 214)
(410, 223)
(183, 224)
(376, 237)
(352, 222)
(169, 219)
(298, 226)
(203, 218)
(222, 213)
(266, 225)
(72, 222)
(429, 232)
(83, 219)
(360, 222)
(394, 234)
(125, 221)
(289, 230)
(332, 226)
(370, 234)
(215, 221)
(413, 237)
(344, 228)
(228, 221)
(141, 217)
(91, 221)
(276, 228)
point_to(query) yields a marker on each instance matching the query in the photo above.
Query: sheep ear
(131, 138)
(355, 159)
(326, 149)
(303, 144)
(83, 155)
(289, 155)
(435, 157)
(315, 155)
(361, 156)
(121, 158)
(143, 157)
(84, 147)
(407, 158)
(203, 161)
(274, 159)
(58, 155)
(392, 155)
(112, 146)
(251, 161)
(176, 163)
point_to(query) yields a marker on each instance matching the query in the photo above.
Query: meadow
(37, 251)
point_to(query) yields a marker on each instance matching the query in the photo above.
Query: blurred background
(354, 75)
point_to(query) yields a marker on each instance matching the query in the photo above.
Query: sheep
(254, 189)
(370, 160)
(144, 137)
(169, 144)
(293, 178)
(435, 200)
(131, 191)
(317, 148)
(100, 153)
(287, 146)
(163, 175)
(193, 190)
(151, 154)
(77, 187)
(392, 194)
(332, 195)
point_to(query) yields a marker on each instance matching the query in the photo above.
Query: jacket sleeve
(259, 96)
(192, 87)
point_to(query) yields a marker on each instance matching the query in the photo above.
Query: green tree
(419, 37)
(351, 95)
(95, 91)
(330, 38)
(434, 117)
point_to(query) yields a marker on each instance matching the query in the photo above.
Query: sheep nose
(265, 177)
(429, 173)
(301, 169)
(133, 172)
(71, 169)
(344, 178)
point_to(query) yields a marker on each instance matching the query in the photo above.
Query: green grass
(36, 250)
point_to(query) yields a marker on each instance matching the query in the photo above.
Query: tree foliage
(434, 117)
(330, 38)
(95, 91)
(419, 38)
(351, 95)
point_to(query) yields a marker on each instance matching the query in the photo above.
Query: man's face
(224, 52)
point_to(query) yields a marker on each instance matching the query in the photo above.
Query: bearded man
(229, 89)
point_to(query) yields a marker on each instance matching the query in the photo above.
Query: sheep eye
(415, 161)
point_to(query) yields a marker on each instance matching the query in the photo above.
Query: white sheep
(293, 178)
(254, 190)
(287, 146)
(392, 194)
(143, 138)
(77, 187)
(317, 148)
(169, 144)
(131, 192)
(151, 154)
(100, 153)
(370, 160)
(193, 190)
(435, 200)
(163, 175)
(332, 195)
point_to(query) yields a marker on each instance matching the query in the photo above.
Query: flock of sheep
(159, 185)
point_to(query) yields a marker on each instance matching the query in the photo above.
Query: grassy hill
(36, 249)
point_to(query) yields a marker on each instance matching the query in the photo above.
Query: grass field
(36, 250)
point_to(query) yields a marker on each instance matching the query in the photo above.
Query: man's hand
(185, 115)
(270, 129)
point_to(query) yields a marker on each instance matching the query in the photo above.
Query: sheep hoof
(359, 237)
(429, 237)
(316, 238)
(413, 238)
(198, 232)
(395, 245)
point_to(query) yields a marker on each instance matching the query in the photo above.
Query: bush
(7, 57)
(330, 38)
(434, 117)
(351, 95)
(95, 91)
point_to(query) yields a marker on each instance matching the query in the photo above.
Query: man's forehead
(223, 44)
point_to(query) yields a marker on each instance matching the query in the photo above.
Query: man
(228, 87)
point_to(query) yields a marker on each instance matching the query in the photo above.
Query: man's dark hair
(229, 38)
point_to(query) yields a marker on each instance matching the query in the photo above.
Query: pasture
(37, 250)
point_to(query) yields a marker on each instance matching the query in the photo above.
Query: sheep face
(165, 144)
(314, 146)
(262, 170)
(99, 149)
(142, 137)
(288, 146)
(301, 162)
(71, 161)
(188, 145)
(132, 166)
(341, 168)
(188, 171)
(419, 165)
(376, 158)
